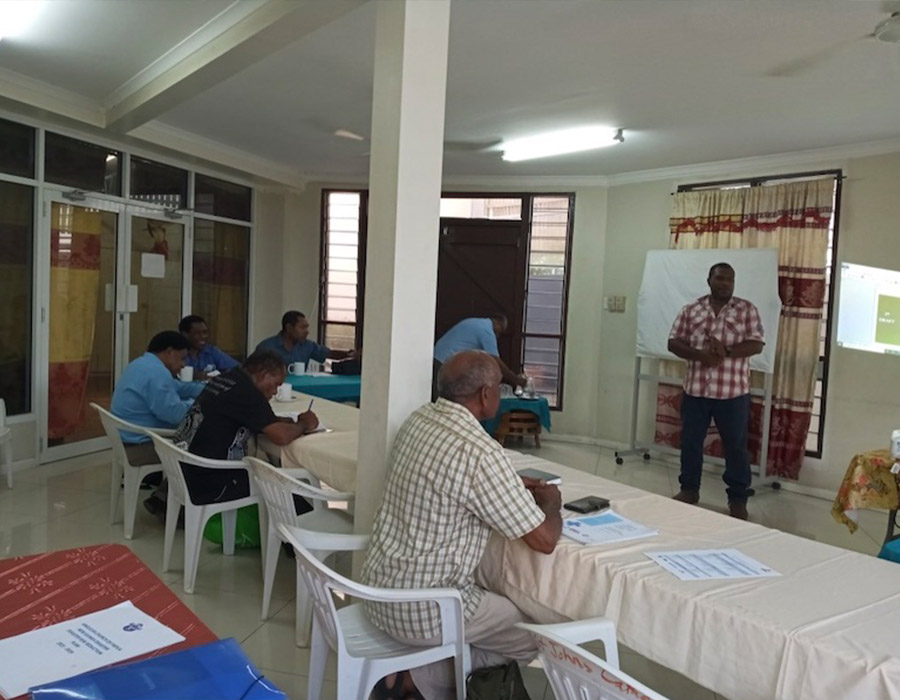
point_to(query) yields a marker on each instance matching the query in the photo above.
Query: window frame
(527, 220)
(824, 363)
(363, 234)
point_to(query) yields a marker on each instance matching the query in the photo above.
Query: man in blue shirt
(293, 344)
(201, 355)
(474, 334)
(148, 394)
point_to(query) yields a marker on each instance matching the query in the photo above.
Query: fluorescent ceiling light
(17, 15)
(558, 142)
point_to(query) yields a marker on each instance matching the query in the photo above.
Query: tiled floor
(66, 505)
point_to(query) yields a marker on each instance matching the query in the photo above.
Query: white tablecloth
(330, 456)
(828, 628)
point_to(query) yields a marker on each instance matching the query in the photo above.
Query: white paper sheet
(79, 645)
(702, 564)
(153, 265)
(604, 528)
(293, 415)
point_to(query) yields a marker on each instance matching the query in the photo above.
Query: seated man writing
(147, 394)
(233, 408)
(450, 485)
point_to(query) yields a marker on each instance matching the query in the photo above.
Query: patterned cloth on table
(868, 483)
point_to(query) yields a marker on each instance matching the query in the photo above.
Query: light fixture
(889, 30)
(556, 143)
(17, 15)
(347, 134)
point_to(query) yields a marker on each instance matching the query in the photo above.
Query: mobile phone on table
(588, 504)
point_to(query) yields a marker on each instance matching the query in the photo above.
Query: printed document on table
(604, 528)
(700, 564)
(79, 645)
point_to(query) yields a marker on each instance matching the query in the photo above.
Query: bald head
(465, 373)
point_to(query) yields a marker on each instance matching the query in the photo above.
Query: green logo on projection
(887, 328)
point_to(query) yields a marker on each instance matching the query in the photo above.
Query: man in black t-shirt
(234, 407)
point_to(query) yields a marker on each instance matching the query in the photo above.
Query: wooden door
(481, 269)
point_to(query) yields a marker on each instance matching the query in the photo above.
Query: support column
(404, 214)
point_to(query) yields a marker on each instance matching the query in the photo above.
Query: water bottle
(529, 388)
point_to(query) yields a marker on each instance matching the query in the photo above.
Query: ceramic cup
(284, 392)
(296, 368)
(186, 374)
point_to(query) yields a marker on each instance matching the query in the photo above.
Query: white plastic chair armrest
(162, 432)
(301, 474)
(578, 631)
(328, 541)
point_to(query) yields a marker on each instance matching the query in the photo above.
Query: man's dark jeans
(732, 417)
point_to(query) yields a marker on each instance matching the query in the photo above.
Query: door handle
(109, 295)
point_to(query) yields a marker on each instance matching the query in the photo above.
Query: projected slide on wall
(869, 314)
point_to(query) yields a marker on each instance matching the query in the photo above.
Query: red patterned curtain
(793, 218)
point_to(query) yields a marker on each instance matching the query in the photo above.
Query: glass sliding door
(81, 356)
(157, 276)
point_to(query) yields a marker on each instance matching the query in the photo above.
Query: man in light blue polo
(293, 343)
(202, 355)
(149, 395)
(474, 334)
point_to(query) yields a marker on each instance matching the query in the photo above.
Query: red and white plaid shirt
(696, 323)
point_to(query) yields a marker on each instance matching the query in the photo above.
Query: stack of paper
(604, 528)
(82, 644)
(699, 564)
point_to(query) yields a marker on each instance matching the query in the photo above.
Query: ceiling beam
(235, 40)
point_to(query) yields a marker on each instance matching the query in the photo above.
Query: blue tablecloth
(335, 387)
(538, 406)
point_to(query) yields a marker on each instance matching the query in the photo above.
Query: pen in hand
(309, 408)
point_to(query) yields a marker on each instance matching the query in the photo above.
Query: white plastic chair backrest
(576, 674)
(172, 456)
(277, 487)
(111, 426)
(320, 580)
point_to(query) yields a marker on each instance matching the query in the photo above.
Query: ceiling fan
(887, 31)
(456, 146)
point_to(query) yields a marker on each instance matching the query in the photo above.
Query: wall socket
(614, 305)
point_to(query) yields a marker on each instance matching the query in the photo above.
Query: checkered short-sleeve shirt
(696, 323)
(450, 484)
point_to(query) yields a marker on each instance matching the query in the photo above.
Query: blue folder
(217, 670)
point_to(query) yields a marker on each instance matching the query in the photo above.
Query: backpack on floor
(497, 683)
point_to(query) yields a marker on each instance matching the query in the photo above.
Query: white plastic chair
(277, 488)
(195, 515)
(120, 467)
(6, 444)
(365, 653)
(576, 674)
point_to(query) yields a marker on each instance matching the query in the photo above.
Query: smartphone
(588, 504)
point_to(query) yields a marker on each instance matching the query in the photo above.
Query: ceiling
(691, 81)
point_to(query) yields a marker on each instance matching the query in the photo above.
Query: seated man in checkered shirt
(449, 486)
(717, 335)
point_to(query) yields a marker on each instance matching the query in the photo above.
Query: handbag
(497, 683)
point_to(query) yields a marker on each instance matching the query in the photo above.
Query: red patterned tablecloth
(43, 589)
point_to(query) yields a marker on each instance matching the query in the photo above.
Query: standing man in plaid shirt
(717, 335)
(450, 485)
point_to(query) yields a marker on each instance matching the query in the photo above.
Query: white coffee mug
(186, 374)
(297, 368)
(284, 392)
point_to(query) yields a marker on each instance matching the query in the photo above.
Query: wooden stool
(519, 424)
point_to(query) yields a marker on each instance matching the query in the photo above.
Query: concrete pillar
(401, 257)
